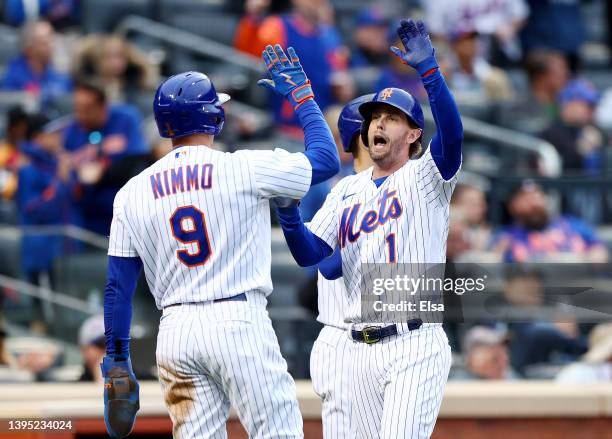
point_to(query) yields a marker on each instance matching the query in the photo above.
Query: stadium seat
(105, 15)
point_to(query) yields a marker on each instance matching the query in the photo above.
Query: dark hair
(93, 87)
(36, 125)
(16, 115)
(537, 62)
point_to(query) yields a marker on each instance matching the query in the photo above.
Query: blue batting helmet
(349, 121)
(188, 103)
(395, 97)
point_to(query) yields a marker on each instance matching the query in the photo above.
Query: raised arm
(287, 77)
(420, 54)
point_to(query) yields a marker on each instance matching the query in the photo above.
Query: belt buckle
(367, 338)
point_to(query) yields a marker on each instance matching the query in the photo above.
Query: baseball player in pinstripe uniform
(395, 212)
(330, 359)
(198, 222)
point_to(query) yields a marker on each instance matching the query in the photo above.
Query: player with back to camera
(395, 212)
(330, 359)
(198, 220)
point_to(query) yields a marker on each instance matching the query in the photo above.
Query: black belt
(374, 334)
(237, 298)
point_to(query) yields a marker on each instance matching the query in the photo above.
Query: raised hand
(418, 51)
(286, 75)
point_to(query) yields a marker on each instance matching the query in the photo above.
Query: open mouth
(380, 140)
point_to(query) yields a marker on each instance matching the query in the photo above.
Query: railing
(189, 41)
(550, 160)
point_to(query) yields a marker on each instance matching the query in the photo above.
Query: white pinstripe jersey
(332, 302)
(199, 219)
(405, 220)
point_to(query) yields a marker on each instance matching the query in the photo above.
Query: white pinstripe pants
(211, 355)
(330, 372)
(398, 384)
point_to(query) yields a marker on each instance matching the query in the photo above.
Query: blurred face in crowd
(390, 136)
(488, 362)
(114, 58)
(89, 111)
(38, 46)
(557, 72)
(472, 204)
(372, 39)
(466, 48)
(529, 207)
(312, 10)
(257, 7)
(92, 357)
(524, 290)
(577, 113)
(457, 242)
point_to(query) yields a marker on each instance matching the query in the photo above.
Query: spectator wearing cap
(308, 29)
(92, 343)
(397, 74)
(99, 137)
(539, 235)
(574, 133)
(33, 70)
(548, 73)
(371, 47)
(471, 77)
(44, 198)
(486, 356)
(596, 365)
(581, 145)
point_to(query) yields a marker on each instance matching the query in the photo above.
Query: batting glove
(286, 75)
(121, 396)
(419, 52)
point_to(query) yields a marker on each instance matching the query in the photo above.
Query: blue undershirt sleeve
(320, 147)
(306, 247)
(331, 267)
(122, 276)
(446, 143)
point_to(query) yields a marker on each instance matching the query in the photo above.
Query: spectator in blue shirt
(538, 235)
(99, 137)
(33, 70)
(44, 198)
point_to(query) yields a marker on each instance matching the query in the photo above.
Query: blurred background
(532, 79)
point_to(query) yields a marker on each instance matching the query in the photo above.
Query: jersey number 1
(189, 227)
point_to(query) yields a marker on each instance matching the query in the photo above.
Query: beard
(536, 220)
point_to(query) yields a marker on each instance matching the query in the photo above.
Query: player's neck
(380, 171)
(194, 139)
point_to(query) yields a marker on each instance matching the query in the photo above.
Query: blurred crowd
(518, 64)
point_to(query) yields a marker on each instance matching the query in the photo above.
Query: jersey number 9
(189, 227)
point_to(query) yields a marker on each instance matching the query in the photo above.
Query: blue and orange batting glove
(286, 75)
(419, 52)
(121, 396)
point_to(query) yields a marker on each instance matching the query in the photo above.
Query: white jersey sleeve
(436, 189)
(120, 242)
(280, 173)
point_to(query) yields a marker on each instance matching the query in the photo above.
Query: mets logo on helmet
(386, 93)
